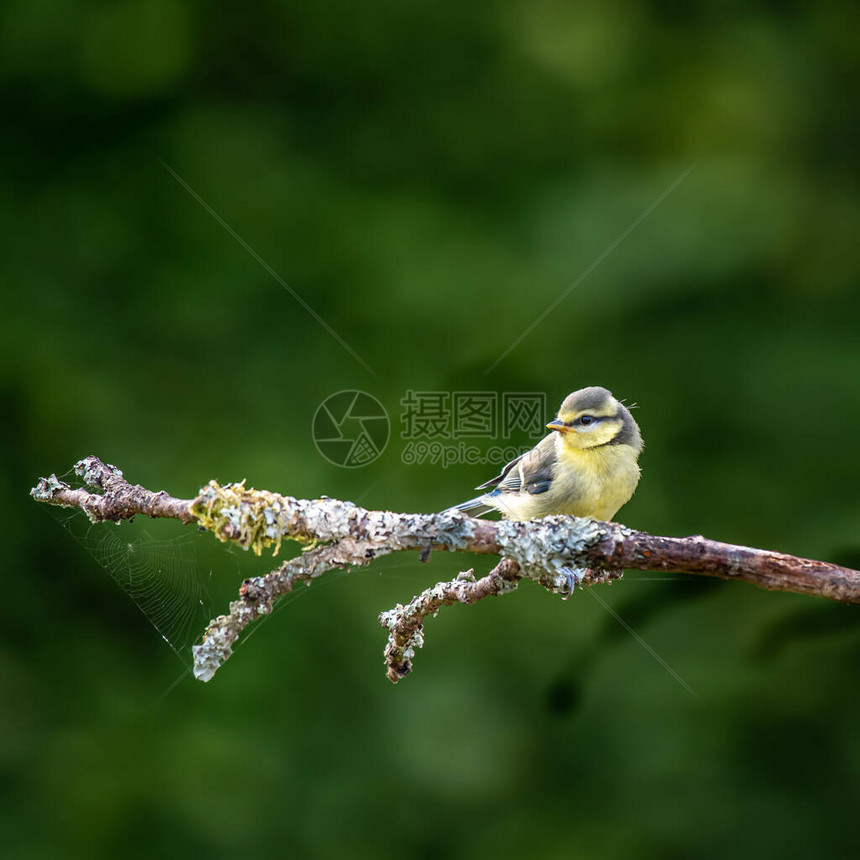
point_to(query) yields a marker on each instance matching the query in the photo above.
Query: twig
(405, 624)
(560, 553)
(119, 499)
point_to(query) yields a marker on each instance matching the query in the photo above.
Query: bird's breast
(594, 482)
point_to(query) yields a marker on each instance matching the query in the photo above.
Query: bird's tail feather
(474, 507)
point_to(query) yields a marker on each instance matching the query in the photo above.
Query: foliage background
(429, 177)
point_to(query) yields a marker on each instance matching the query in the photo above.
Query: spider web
(161, 575)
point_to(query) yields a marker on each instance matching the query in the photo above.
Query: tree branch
(559, 553)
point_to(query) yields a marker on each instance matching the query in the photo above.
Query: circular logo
(351, 428)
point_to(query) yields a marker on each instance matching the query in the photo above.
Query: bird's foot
(568, 579)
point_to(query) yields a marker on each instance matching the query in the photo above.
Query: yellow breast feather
(594, 482)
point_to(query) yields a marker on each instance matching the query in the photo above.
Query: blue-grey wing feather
(531, 472)
(537, 467)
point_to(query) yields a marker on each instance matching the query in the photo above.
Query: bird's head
(592, 417)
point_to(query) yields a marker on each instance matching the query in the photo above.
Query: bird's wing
(531, 472)
(506, 469)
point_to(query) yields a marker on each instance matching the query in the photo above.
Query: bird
(586, 467)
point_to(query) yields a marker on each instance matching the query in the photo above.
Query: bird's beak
(560, 426)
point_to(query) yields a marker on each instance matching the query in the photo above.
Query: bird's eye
(585, 420)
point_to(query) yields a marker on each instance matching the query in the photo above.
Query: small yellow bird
(587, 467)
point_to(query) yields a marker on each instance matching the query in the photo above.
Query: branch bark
(559, 553)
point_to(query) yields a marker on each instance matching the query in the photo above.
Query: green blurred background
(429, 177)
